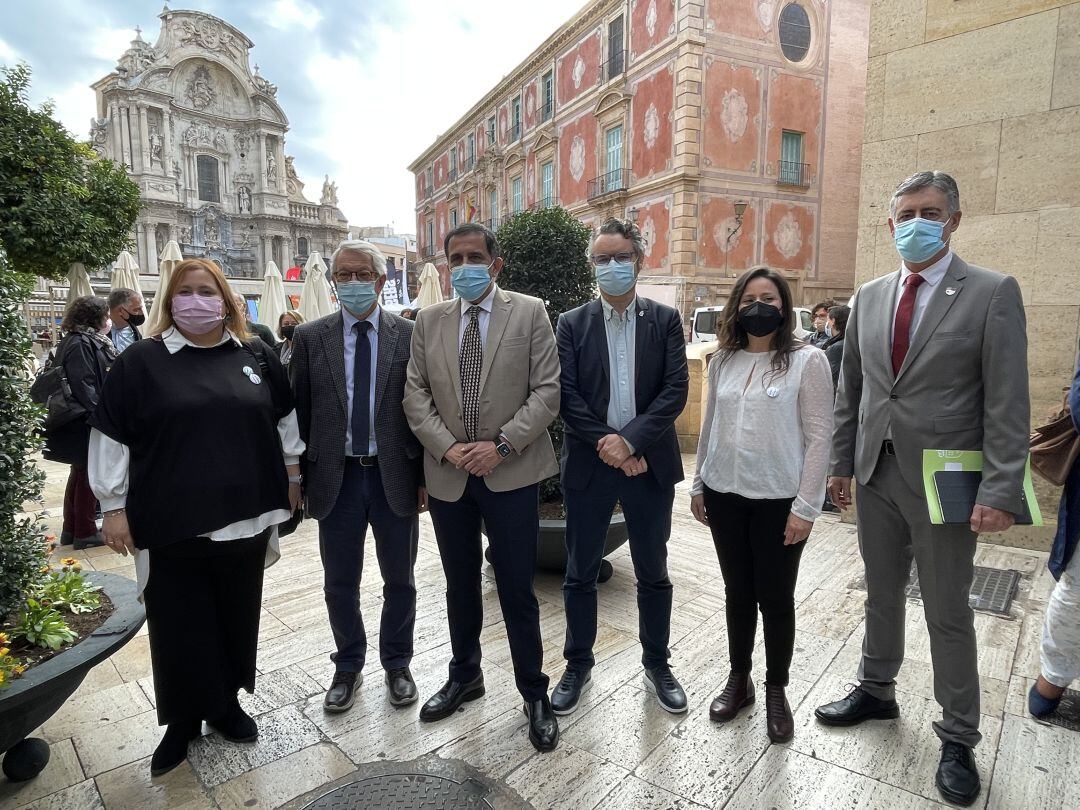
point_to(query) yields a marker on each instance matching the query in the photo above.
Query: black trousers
(362, 501)
(512, 523)
(647, 509)
(202, 601)
(759, 572)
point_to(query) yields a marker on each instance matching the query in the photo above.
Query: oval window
(794, 32)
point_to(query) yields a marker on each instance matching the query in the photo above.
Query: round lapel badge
(248, 371)
(772, 392)
(255, 378)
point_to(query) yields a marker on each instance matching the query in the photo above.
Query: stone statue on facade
(329, 192)
(99, 135)
(219, 142)
(210, 230)
(245, 200)
(156, 146)
(271, 169)
(200, 91)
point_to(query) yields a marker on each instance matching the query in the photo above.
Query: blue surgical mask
(828, 330)
(470, 280)
(357, 296)
(615, 278)
(919, 239)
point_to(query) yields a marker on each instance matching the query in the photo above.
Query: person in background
(259, 330)
(820, 315)
(86, 354)
(834, 346)
(194, 454)
(408, 314)
(287, 323)
(761, 464)
(1061, 627)
(126, 313)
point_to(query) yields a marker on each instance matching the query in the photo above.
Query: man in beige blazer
(935, 358)
(482, 388)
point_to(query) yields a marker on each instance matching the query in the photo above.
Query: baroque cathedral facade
(203, 136)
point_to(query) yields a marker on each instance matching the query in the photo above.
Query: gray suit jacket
(519, 392)
(317, 369)
(963, 385)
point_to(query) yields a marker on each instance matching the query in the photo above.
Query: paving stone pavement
(619, 751)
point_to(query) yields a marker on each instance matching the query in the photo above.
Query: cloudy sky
(367, 84)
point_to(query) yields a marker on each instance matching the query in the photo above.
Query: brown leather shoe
(738, 693)
(780, 722)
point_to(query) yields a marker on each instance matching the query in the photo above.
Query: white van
(703, 328)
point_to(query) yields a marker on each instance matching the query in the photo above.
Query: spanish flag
(470, 211)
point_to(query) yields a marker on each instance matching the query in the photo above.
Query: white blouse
(109, 461)
(768, 436)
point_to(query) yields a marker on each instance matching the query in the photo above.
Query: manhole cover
(405, 791)
(992, 589)
(1067, 714)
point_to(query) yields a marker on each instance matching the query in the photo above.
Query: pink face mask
(197, 314)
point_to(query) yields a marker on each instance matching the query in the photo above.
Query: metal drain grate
(405, 791)
(1067, 714)
(992, 589)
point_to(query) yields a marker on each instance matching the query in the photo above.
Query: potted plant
(59, 204)
(546, 256)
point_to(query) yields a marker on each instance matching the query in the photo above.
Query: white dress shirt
(348, 320)
(932, 276)
(765, 447)
(621, 330)
(109, 461)
(482, 318)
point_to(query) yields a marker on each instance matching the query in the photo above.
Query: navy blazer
(661, 383)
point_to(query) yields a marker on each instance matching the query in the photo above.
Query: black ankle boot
(173, 748)
(235, 725)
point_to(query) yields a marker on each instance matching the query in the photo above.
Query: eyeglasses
(605, 258)
(345, 278)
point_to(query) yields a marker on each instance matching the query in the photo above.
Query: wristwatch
(503, 446)
(296, 479)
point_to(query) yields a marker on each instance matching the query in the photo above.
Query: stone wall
(988, 91)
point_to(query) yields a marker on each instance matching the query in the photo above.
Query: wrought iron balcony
(491, 224)
(429, 251)
(614, 66)
(547, 111)
(609, 183)
(544, 202)
(793, 174)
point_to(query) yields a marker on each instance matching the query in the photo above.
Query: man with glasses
(483, 387)
(624, 382)
(362, 467)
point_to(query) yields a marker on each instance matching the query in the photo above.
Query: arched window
(302, 246)
(794, 32)
(207, 168)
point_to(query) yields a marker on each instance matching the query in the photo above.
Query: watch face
(504, 450)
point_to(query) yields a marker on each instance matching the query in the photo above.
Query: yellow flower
(44, 569)
(4, 638)
(19, 669)
(2, 676)
(49, 538)
(69, 561)
(4, 651)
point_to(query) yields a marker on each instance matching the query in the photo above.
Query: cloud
(8, 55)
(288, 15)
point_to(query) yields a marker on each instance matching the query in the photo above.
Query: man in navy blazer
(624, 383)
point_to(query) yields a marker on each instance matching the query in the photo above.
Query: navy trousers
(360, 503)
(512, 523)
(647, 509)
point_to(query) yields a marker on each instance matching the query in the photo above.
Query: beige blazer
(519, 392)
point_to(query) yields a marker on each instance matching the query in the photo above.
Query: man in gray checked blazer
(363, 466)
(935, 358)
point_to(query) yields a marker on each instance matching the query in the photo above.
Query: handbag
(1055, 446)
(52, 390)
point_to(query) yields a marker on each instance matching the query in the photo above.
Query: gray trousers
(893, 526)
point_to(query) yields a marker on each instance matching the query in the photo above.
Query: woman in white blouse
(760, 482)
(194, 456)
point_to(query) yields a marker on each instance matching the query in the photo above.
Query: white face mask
(828, 330)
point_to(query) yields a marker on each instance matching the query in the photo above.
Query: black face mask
(136, 318)
(288, 331)
(760, 319)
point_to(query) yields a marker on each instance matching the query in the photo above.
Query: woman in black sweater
(85, 353)
(194, 456)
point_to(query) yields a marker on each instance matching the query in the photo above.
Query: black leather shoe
(571, 687)
(93, 541)
(66, 538)
(957, 776)
(859, 705)
(738, 693)
(543, 725)
(402, 686)
(342, 691)
(235, 725)
(172, 750)
(779, 722)
(668, 690)
(449, 699)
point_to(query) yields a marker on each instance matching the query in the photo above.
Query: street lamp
(740, 209)
(632, 215)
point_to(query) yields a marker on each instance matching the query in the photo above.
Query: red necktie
(902, 327)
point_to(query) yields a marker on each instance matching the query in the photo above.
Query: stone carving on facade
(138, 57)
(292, 181)
(156, 144)
(648, 235)
(242, 141)
(652, 126)
(650, 18)
(165, 188)
(577, 158)
(262, 85)
(159, 240)
(788, 236)
(219, 142)
(185, 235)
(211, 231)
(734, 114)
(209, 34)
(99, 135)
(244, 198)
(329, 192)
(200, 89)
(765, 9)
(579, 72)
(271, 168)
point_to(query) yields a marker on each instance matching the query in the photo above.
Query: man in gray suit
(935, 358)
(363, 466)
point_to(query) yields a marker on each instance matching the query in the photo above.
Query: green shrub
(42, 625)
(69, 589)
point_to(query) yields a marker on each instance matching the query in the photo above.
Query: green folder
(951, 483)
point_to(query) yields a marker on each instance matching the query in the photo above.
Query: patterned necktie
(471, 361)
(902, 328)
(361, 401)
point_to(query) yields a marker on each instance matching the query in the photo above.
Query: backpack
(51, 390)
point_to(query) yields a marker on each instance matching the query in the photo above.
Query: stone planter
(551, 550)
(36, 696)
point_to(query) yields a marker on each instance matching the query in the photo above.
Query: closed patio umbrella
(125, 274)
(272, 304)
(79, 283)
(430, 288)
(170, 258)
(315, 295)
